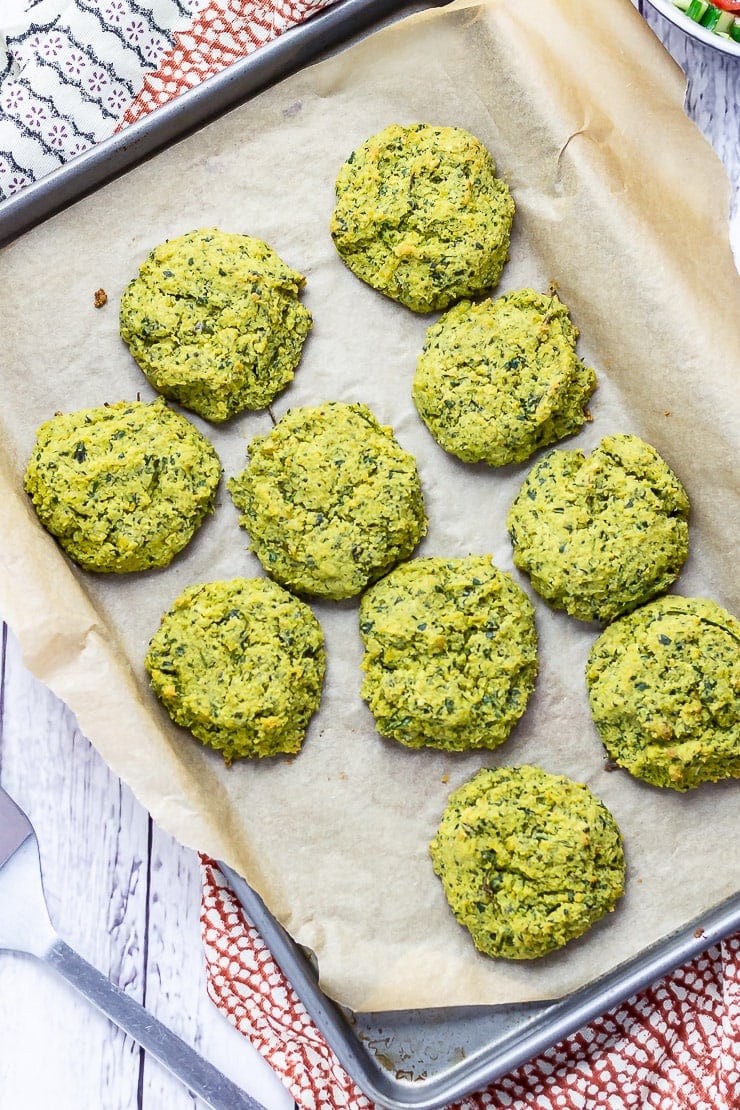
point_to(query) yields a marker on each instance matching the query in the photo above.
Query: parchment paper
(621, 202)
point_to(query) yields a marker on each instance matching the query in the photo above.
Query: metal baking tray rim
(332, 28)
(361, 1041)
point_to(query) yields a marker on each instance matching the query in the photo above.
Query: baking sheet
(583, 114)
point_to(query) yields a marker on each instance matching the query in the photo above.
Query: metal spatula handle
(201, 1077)
(25, 926)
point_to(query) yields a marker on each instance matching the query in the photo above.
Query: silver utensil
(25, 926)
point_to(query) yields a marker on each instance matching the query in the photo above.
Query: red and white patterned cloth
(675, 1046)
(72, 72)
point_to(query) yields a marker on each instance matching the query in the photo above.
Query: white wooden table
(126, 895)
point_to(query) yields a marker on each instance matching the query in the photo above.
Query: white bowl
(695, 30)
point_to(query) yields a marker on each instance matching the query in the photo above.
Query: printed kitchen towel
(674, 1046)
(72, 74)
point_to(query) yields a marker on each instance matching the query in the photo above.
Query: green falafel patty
(240, 664)
(421, 216)
(450, 653)
(599, 535)
(528, 860)
(214, 321)
(499, 378)
(122, 487)
(664, 690)
(330, 500)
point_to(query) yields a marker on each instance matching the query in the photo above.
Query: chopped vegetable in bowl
(723, 36)
(720, 17)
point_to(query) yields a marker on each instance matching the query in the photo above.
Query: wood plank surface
(712, 102)
(123, 893)
(127, 897)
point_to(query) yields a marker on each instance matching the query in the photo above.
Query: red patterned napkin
(223, 32)
(73, 72)
(675, 1046)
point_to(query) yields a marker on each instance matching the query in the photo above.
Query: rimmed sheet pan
(425, 1056)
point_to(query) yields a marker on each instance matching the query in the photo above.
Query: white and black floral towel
(72, 72)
